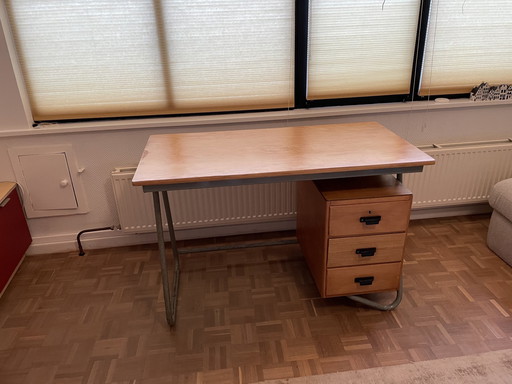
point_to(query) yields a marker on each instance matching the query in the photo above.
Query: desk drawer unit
(352, 233)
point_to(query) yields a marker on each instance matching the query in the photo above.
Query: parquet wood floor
(247, 315)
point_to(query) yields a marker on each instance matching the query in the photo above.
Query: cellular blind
(468, 42)
(361, 47)
(102, 58)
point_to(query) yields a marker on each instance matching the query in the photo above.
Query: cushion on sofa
(501, 198)
(499, 238)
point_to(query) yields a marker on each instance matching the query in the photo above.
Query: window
(85, 59)
(468, 42)
(361, 48)
(98, 59)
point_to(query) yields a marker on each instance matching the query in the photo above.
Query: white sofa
(499, 237)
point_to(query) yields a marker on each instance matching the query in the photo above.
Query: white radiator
(199, 208)
(463, 174)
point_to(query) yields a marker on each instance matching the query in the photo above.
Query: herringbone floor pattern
(247, 315)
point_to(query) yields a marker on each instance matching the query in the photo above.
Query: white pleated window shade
(88, 59)
(468, 42)
(361, 47)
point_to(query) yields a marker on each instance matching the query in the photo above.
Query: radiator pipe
(80, 249)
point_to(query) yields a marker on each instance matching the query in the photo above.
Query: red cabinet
(14, 233)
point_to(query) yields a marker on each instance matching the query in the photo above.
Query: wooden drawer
(369, 218)
(342, 281)
(360, 250)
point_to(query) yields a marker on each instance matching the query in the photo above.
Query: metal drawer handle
(365, 252)
(370, 220)
(367, 280)
(5, 202)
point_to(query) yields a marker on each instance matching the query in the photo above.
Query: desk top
(274, 152)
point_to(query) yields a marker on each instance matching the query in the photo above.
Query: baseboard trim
(456, 210)
(117, 238)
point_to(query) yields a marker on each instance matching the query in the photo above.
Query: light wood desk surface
(274, 152)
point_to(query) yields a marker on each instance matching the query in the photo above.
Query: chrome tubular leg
(374, 304)
(175, 254)
(163, 259)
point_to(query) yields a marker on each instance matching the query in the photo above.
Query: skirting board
(455, 210)
(117, 238)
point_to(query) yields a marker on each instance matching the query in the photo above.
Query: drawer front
(362, 250)
(363, 279)
(367, 219)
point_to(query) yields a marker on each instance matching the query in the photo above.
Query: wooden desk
(211, 159)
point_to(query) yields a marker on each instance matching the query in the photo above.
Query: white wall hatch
(49, 180)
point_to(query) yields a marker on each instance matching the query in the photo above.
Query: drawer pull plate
(370, 220)
(367, 280)
(366, 252)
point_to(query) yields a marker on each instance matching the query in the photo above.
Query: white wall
(100, 151)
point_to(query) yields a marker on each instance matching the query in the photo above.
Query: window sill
(212, 120)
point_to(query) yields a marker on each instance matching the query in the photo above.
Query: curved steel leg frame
(170, 301)
(376, 305)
